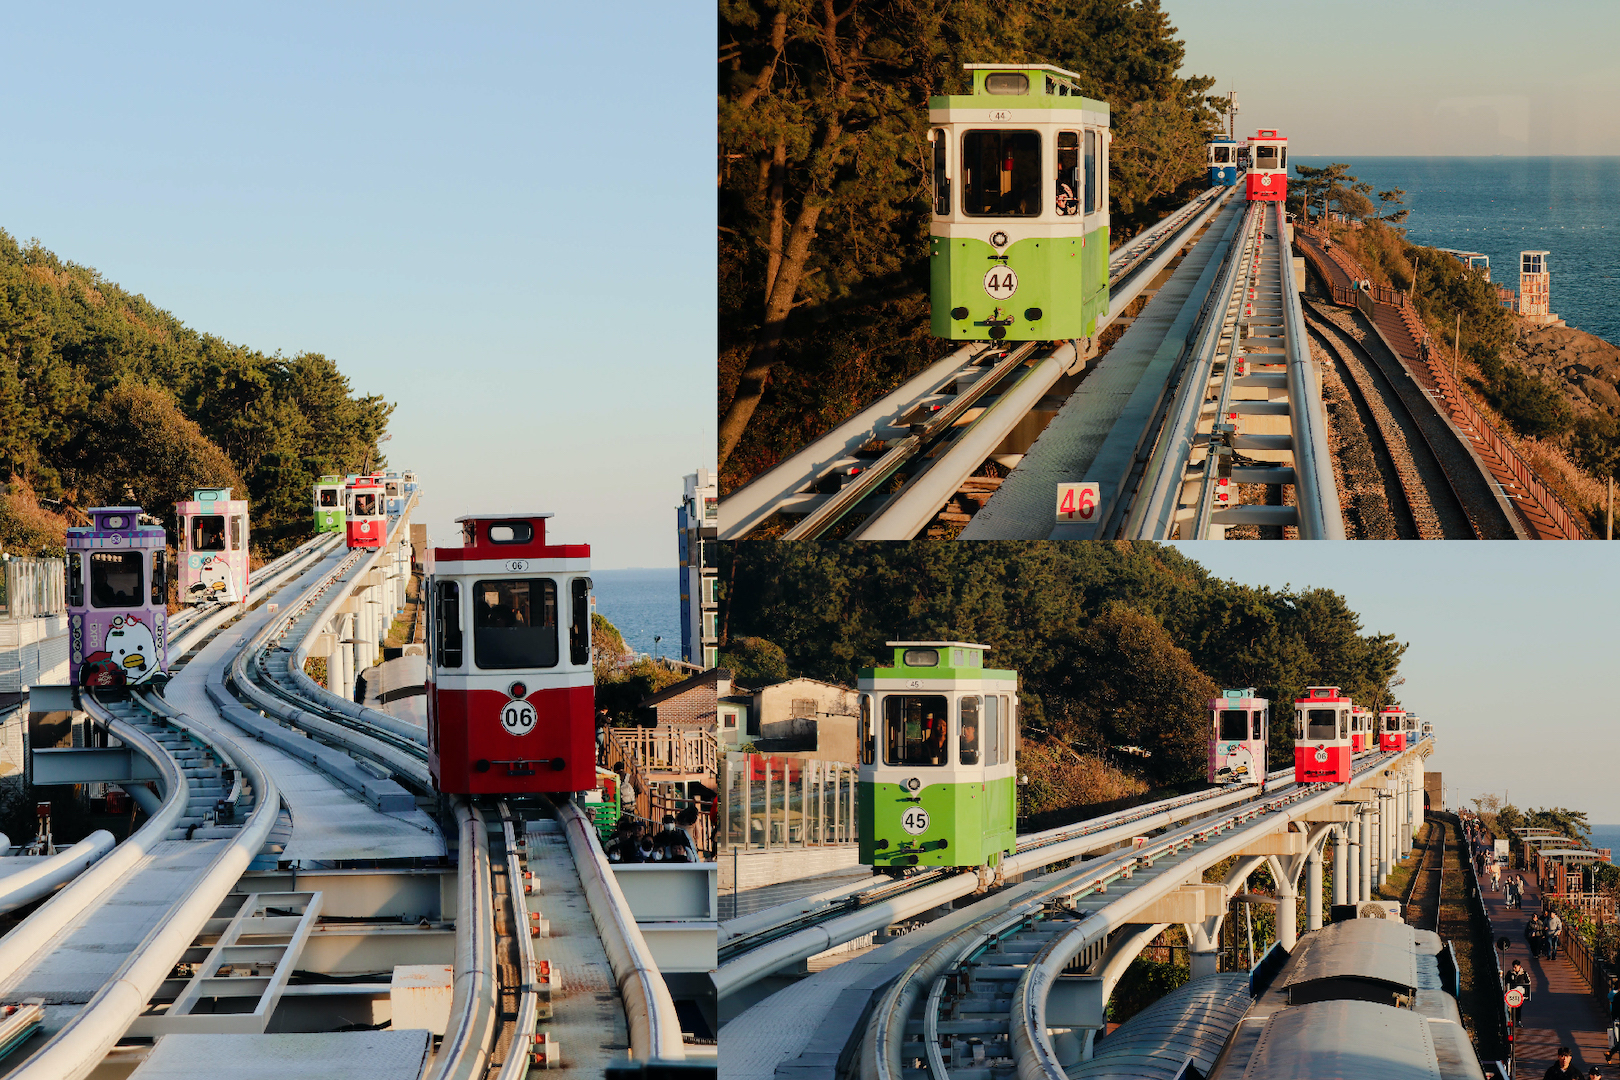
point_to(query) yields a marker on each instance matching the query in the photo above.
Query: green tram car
(1020, 225)
(329, 504)
(939, 738)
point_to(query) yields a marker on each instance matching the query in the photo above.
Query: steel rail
(655, 1028)
(521, 1046)
(49, 874)
(1320, 517)
(464, 1053)
(783, 487)
(77, 1048)
(271, 577)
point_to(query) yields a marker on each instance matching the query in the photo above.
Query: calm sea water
(642, 604)
(1501, 206)
(1608, 836)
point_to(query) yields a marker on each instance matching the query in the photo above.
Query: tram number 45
(915, 821)
(1078, 502)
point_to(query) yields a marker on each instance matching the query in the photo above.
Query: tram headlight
(998, 239)
(913, 784)
(1033, 314)
(959, 313)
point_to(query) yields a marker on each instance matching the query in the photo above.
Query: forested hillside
(1115, 644)
(824, 195)
(104, 397)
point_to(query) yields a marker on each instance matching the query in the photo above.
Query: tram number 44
(518, 717)
(1079, 502)
(915, 821)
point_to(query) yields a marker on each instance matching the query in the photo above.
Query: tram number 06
(1078, 502)
(518, 717)
(915, 821)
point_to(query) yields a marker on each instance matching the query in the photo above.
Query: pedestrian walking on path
(1563, 1069)
(1555, 927)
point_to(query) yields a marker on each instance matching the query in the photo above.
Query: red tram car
(1267, 178)
(1363, 730)
(511, 701)
(1392, 730)
(366, 517)
(1322, 736)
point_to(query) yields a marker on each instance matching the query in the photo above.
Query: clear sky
(500, 217)
(1436, 77)
(1511, 650)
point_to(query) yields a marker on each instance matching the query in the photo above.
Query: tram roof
(1021, 67)
(1375, 1041)
(1366, 959)
(936, 645)
(509, 516)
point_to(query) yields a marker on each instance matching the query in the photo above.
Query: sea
(642, 604)
(1608, 836)
(1501, 206)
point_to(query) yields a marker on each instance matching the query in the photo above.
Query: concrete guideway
(1134, 893)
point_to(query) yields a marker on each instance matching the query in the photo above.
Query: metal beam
(92, 765)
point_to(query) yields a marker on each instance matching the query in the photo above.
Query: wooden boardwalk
(1562, 1010)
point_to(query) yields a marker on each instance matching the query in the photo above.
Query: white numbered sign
(1079, 502)
(1000, 115)
(915, 821)
(1514, 997)
(1000, 282)
(517, 717)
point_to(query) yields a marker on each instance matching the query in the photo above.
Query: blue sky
(1393, 77)
(1512, 647)
(499, 217)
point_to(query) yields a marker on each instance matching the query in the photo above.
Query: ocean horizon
(642, 603)
(1501, 205)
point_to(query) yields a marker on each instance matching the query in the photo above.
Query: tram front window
(328, 496)
(968, 743)
(1265, 157)
(1234, 724)
(914, 729)
(115, 579)
(208, 532)
(515, 624)
(1001, 173)
(1223, 156)
(365, 504)
(1321, 723)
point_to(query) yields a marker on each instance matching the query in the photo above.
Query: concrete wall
(33, 652)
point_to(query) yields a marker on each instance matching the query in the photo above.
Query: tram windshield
(1001, 173)
(365, 504)
(329, 496)
(914, 729)
(208, 532)
(115, 579)
(1392, 723)
(968, 742)
(1321, 723)
(515, 624)
(1221, 155)
(1265, 156)
(1234, 724)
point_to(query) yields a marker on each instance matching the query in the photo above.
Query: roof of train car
(1371, 959)
(1193, 1021)
(1367, 1040)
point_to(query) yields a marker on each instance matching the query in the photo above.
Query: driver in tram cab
(969, 748)
(934, 748)
(211, 537)
(495, 613)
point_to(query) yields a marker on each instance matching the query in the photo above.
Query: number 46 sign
(1078, 502)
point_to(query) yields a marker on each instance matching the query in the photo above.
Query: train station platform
(1097, 433)
(1562, 1010)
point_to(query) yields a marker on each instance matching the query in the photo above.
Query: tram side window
(1282, 157)
(237, 521)
(1265, 156)
(208, 532)
(160, 577)
(992, 730)
(579, 626)
(942, 182)
(1009, 729)
(328, 496)
(868, 743)
(1320, 723)
(75, 579)
(1260, 719)
(968, 741)
(447, 608)
(914, 729)
(1001, 173)
(365, 504)
(1344, 723)
(515, 624)
(1093, 172)
(1234, 725)
(115, 579)
(1068, 173)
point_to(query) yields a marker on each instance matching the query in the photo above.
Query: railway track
(1422, 905)
(1421, 491)
(886, 473)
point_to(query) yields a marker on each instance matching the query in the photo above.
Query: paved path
(1562, 1010)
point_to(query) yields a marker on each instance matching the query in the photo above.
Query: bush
(755, 661)
(1529, 404)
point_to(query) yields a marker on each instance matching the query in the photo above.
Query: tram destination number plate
(915, 821)
(1079, 502)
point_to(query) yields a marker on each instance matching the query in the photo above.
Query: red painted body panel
(1266, 187)
(366, 532)
(1310, 768)
(1392, 740)
(464, 727)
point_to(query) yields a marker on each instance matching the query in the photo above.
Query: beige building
(805, 717)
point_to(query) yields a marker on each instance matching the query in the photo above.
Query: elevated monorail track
(885, 473)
